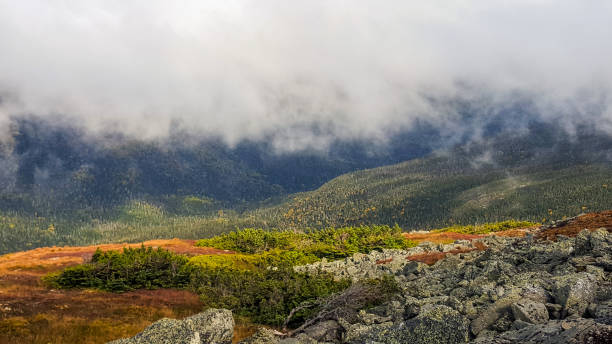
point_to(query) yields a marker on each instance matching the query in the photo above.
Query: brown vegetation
(430, 258)
(451, 237)
(572, 227)
(33, 313)
(440, 238)
(384, 261)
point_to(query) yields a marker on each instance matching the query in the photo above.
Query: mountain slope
(497, 180)
(55, 168)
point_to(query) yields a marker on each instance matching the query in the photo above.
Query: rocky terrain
(516, 290)
(213, 326)
(490, 290)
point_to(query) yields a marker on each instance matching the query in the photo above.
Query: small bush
(262, 286)
(271, 259)
(266, 296)
(251, 240)
(122, 271)
(258, 282)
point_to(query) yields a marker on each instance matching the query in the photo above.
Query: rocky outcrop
(518, 290)
(579, 331)
(388, 261)
(574, 292)
(530, 312)
(214, 326)
(434, 324)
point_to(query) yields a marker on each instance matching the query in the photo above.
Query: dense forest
(46, 162)
(59, 186)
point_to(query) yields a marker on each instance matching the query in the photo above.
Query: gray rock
(554, 332)
(493, 313)
(530, 312)
(535, 292)
(435, 324)
(438, 324)
(324, 331)
(554, 310)
(414, 268)
(519, 324)
(510, 292)
(213, 326)
(574, 292)
(495, 269)
(299, 339)
(603, 312)
(596, 243)
(262, 336)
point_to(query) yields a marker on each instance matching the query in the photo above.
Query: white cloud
(247, 68)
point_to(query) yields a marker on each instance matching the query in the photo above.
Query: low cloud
(305, 72)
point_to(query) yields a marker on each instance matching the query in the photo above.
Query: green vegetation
(329, 243)
(20, 232)
(266, 296)
(444, 191)
(427, 193)
(146, 193)
(245, 284)
(486, 228)
(258, 282)
(140, 212)
(131, 269)
(273, 258)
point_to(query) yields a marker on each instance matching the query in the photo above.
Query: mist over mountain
(198, 108)
(272, 71)
(317, 171)
(60, 161)
(55, 165)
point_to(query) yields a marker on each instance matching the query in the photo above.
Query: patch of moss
(486, 228)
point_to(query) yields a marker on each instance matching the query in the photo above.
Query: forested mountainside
(53, 167)
(532, 177)
(60, 188)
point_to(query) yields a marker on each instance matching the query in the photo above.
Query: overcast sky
(246, 68)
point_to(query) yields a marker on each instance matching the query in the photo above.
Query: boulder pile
(517, 290)
(214, 326)
(492, 290)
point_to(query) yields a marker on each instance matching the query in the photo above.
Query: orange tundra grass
(31, 313)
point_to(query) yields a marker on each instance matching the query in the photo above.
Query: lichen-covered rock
(357, 333)
(554, 332)
(530, 312)
(438, 324)
(324, 331)
(518, 290)
(213, 326)
(262, 336)
(493, 313)
(495, 269)
(603, 312)
(435, 324)
(574, 292)
(595, 243)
